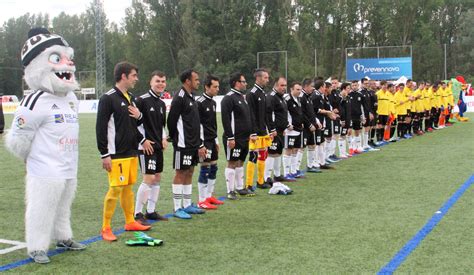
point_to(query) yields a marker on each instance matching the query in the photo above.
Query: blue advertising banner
(378, 68)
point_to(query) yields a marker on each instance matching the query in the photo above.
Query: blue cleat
(193, 209)
(181, 214)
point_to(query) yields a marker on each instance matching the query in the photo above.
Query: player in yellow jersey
(383, 104)
(401, 101)
(418, 109)
(436, 104)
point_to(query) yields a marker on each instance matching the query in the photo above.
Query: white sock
(294, 164)
(333, 147)
(352, 142)
(187, 192)
(287, 163)
(358, 142)
(327, 148)
(277, 167)
(366, 139)
(268, 167)
(239, 178)
(153, 197)
(230, 179)
(177, 196)
(342, 146)
(299, 157)
(310, 157)
(321, 153)
(202, 188)
(211, 183)
(142, 196)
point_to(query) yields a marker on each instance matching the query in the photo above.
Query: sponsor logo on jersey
(152, 109)
(54, 107)
(58, 118)
(65, 118)
(123, 104)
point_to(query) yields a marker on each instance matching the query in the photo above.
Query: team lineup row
(270, 130)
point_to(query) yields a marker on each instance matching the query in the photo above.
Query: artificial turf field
(353, 219)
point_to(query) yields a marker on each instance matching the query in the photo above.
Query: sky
(114, 9)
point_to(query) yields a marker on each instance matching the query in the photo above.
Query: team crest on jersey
(58, 118)
(20, 122)
(72, 106)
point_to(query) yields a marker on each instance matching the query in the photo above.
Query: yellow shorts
(124, 171)
(262, 142)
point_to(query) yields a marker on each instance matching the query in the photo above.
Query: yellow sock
(126, 201)
(260, 171)
(250, 172)
(110, 202)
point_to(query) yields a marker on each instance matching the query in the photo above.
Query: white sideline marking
(16, 245)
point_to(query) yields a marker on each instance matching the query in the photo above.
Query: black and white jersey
(235, 115)
(308, 110)
(345, 111)
(277, 111)
(319, 104)
(153, 119)
(373, 102)
(357, 102)
(295, 113)
(256, 100)
(335, 99)
(184, 126)
(367, 101)
(116, 131)
(207, 115)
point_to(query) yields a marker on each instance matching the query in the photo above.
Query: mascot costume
(45, 134)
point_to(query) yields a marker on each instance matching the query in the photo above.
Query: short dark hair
(187, 74)
(318, 78)
(362, 80)
(259, 71)
(209, 79)
(157, 73)
(355, 81)
(344, 85)
(383, 82)
(278, 79)
(390, 85)
(294, 83)
(334, 77)
(318, 84)
(307, 81)
(123, 67)
(234, 78)
(327, 84)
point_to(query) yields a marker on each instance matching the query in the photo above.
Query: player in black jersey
(358, 107)
(237, 130)
(345, 115)
(277, 115)
(368, 113)
(152, 125)
(335, 99)
(311, 133)
(207, 115)
(184, 130)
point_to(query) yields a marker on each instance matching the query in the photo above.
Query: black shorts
(401, 118)
(373, 122)
(212, 154)
(240, 151)
(319, 135)
(427, 114)
(185, 158)
(151, 164)
(382, 120)
(292, 142)
(356, 124)
(328, 130)
(344, 131)
(336, 126)
(277, 145)
(421, 115)
(308, 138)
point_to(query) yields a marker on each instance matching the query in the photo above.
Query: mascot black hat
(39, 39)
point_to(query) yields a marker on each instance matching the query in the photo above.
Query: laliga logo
(358, 67)
(376, 70)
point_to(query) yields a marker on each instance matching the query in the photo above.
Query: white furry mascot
(45, 134)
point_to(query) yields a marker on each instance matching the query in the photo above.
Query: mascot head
(48, 62)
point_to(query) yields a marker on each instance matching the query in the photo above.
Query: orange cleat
(136, 226)
(206, 205)
(215, 201)
(108, 235)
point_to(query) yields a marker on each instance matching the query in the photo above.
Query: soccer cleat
(246, 192)
(351, 152)
(155, 216)
(299, 175)
(278, 179)
(215, 201)
(232, 195)
(136, 226)
(206, 205)
(289, 178)
(265, 185)
(344, 156)
(328, 160)
(313, 170)
(181, 214)
(358, 151)
(139, 217)
(70, 245)
(334, 158)
(39, 256)
(269, 181)
(193, 209)
(108, 235)
(325, 166)
(371, 149)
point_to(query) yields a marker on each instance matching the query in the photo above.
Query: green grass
(350, 220)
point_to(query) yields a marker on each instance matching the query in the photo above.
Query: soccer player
(294, 133)
(208, 173)
(345, 115)
(117, 134)
(358, 107)
(151, 150)
(383, 110)
(373, 110)
(184, 129)
(364, 90)
(237, 129)
(401, 101)
(261, 137)
(335, 99)
(277, 114)
(311, 130)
